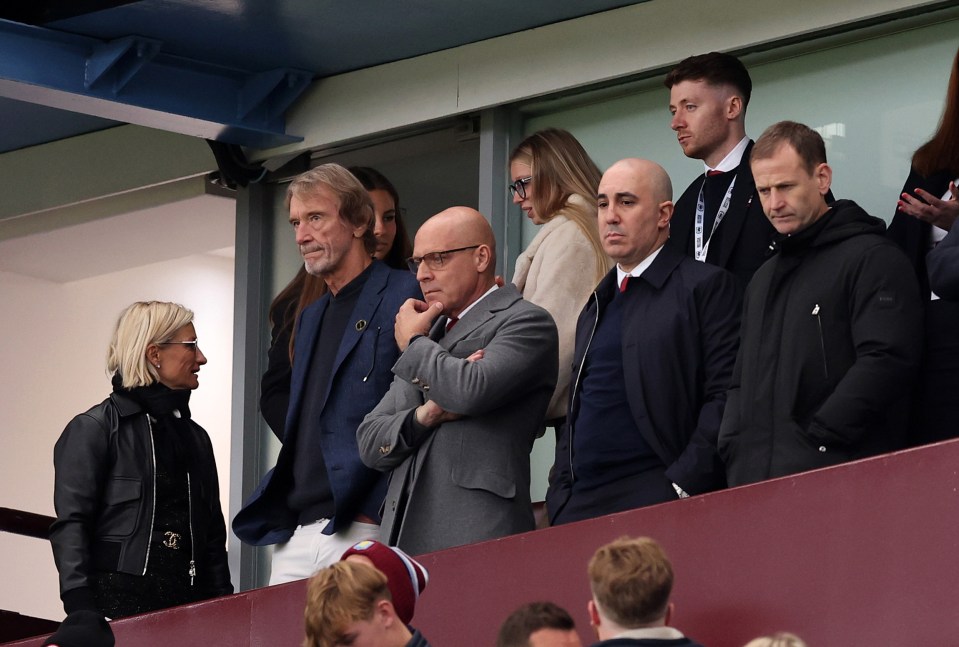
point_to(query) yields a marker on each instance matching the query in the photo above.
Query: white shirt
(936, 234)
(470, 306)
(660, 633)
(638, 270)
(733, 159)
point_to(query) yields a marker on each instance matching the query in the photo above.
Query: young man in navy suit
(718, 219)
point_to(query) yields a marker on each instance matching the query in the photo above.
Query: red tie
(450, 323)
(622, 286)
(713, 173)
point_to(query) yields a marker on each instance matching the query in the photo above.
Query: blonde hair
(338, 596)
(139, 325)
(561, 168)
(631, 580)
(778, 639)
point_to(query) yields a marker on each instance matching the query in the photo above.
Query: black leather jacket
(104, 499)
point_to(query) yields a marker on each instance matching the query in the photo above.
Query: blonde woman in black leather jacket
(139, 525)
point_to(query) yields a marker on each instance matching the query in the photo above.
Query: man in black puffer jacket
(831, 326)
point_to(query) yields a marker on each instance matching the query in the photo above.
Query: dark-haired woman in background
(392, 247)
(139, 525)
(925, 213)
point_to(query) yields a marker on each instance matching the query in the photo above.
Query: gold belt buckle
(172, 540)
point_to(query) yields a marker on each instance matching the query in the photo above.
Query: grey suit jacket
(466, 480)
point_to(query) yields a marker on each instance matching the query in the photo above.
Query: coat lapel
(739, 205)
(499, 299)
(370, 298)
(306, 334)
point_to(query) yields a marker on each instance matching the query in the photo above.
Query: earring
(157, 365)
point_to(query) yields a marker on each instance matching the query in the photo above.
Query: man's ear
(823, 175)
(734, 107)
(385, 613)
(669, 613)
(483, 256)
(665, 214)
(593, 611)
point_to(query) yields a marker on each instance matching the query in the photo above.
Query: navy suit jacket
(680, 336)
(743, 236)
(361, 376)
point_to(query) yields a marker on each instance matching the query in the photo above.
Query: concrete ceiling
(198, 225)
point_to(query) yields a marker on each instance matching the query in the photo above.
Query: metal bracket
(119, 61)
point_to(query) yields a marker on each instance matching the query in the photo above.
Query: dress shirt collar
(638, 270)
(733, 158)
(657, 633)
(470, 306)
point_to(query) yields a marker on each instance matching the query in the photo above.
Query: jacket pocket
(121, 506)
(479, 479)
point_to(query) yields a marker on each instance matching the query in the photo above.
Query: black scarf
(170, 417)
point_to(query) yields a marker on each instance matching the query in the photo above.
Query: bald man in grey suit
(468, 398)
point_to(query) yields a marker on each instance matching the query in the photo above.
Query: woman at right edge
(926, 211)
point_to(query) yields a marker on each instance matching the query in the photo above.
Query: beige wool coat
(558, 273)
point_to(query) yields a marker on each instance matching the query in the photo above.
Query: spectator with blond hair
(778, 639)
(631, 581)
(349, 603)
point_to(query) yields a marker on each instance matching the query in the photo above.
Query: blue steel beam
(133, 81)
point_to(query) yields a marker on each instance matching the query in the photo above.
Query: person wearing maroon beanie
(406, 578)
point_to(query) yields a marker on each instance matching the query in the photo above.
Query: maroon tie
(713, 173)
(450, 323)
(622, 286)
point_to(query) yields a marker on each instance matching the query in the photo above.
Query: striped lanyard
(702, 246)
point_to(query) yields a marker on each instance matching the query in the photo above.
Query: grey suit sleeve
(516, 355)
(380, 438)
(942, 263)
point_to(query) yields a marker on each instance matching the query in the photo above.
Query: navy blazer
(680, 336)
(745, 233)
(361, 376)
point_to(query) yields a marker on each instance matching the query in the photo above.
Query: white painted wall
(53, 341)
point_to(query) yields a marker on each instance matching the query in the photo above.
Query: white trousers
(309, 550)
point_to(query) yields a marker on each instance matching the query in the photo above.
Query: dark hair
(803, 139)
(529, 618)
(371, 179)
(715, 68)
(941, 153)
(286, 307)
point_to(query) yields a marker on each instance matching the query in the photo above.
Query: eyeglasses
(519, 186)
(433, 260)
(191, 345)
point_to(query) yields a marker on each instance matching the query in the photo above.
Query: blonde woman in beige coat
(554, 182)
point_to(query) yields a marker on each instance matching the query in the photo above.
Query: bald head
(634, 204)
(461, 276)
(655, 176)
(462, 223)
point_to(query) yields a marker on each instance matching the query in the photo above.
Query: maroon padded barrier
(859, 554)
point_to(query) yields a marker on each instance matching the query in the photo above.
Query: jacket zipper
(579, 374)
(153, 508)
(822, 340)
(189, 494)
